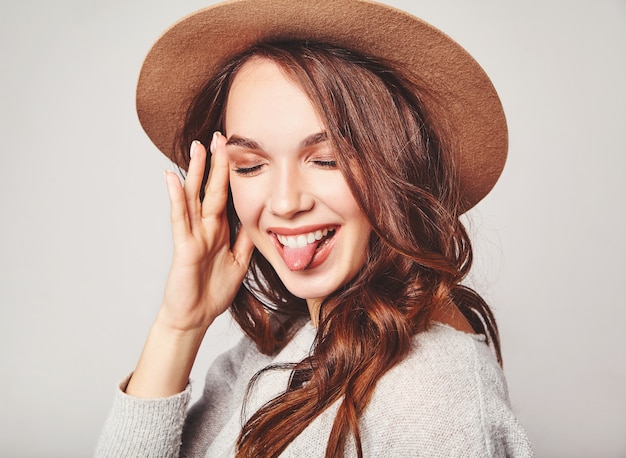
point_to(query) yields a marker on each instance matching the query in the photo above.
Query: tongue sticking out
(299, 258)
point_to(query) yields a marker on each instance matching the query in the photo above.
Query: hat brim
(186, 56)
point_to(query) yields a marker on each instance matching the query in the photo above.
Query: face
(291, 198)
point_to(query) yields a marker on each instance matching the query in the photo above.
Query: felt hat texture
(186, 56)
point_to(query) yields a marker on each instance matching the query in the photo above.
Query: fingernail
(213, 141)
(192, 149)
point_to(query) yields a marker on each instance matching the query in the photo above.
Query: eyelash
(247, 171)
(244, 171)
(331, 164)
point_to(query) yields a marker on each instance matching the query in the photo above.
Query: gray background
(85, 243)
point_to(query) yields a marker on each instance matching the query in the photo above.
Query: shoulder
(445, 369)
(231, 371)
(448, 395)
(244, 360)
(457, 359)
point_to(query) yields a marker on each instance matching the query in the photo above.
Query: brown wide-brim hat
(190, 52)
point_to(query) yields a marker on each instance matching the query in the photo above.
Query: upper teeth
(302, 240)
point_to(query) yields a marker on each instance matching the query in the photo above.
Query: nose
(289, 195)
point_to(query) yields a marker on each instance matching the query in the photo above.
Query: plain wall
(85, 242)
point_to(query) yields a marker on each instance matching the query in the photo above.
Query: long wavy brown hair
(397, 155)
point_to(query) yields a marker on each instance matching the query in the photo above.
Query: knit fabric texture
(447, 398)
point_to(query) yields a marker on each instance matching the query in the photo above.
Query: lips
(304, 249)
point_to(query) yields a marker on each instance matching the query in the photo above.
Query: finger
(178, 205)
(216, 190)
(193, 180)
(243, 248)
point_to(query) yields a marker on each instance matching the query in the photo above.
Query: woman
(327, 220)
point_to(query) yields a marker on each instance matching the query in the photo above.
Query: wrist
(166, 361)
(185, 326)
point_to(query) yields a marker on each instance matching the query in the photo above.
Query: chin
(311, 284)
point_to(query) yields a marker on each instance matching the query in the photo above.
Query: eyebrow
(314, 139)
(236, 140)
(243, 142)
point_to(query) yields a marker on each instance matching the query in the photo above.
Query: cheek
(245, 202)
(359, 223)
(339, 195)
(241, 201)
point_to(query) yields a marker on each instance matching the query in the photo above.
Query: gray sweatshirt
(448, 398)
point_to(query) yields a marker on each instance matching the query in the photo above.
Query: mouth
(305, 250)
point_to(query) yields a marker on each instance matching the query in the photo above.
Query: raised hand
(204, 277)
(205, 273)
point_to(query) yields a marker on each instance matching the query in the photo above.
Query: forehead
(263, 97)
(258, 75)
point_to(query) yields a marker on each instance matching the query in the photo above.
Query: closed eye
(248, 171)
(331, 164)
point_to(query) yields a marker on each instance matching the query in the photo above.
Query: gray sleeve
(143, 427)
(504, 435)
(164, 427)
